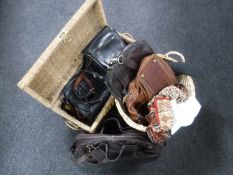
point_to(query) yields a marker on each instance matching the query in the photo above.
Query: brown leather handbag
(153, 75)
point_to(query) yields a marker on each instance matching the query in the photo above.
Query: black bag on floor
(113, 143)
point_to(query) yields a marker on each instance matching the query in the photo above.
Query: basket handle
(168, 57)
(176, 53)
(129, 35)
(71, 125)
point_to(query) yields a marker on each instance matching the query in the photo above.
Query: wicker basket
(47, 77)
(182, 79)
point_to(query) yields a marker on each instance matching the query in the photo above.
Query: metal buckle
(117, 59)
(90, 147)
(92, 90)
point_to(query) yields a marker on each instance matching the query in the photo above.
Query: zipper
(85, 139)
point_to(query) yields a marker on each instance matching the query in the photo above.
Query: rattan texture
(62, 58)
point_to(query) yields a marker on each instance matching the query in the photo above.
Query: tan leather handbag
(153, 75)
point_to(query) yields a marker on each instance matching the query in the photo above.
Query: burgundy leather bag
(153, 75)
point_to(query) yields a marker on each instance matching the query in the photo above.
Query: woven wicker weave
(45, 80)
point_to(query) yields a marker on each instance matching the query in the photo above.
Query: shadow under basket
(61, 59)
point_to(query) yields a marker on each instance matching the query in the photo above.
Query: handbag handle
(167, 56)
(176, 53)
(115, 125)
(102, 156)
(82, 76)
(118, 156)
(129, 35)
(71, 125)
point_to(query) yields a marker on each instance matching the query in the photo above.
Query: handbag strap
(102, 156)
(101, 152)
(115, 124)
(167, 56)
(98, 77)
(82, 76)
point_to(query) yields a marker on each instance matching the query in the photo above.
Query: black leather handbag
(113, 143)
(85, 95)
(106, 45)
(122, 73)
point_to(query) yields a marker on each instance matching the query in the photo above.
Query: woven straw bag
(183, 79)
(47, 77)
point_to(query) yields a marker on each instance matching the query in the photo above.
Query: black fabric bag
(113, 143)
(185, 68)
(85, 95)
(106, 45)
(122, 73)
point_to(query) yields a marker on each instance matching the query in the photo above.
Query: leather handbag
(85, 95)
(106, 45)
(114, 142)
(123, 72)
(153, 75)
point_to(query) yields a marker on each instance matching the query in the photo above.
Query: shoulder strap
(80, 78)
(103, 156)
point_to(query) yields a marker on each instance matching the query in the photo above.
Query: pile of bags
(151, 92)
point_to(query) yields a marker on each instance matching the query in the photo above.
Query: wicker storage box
(47, 77)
